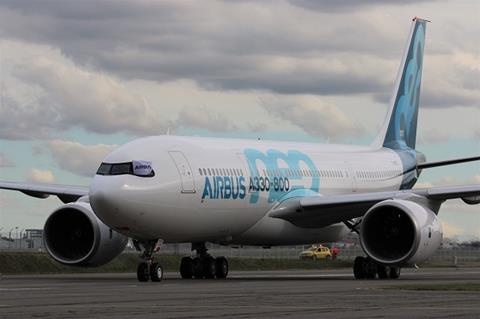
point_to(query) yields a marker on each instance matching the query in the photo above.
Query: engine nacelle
(400, 232)
(74, 236)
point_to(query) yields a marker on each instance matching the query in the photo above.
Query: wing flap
(451, 192)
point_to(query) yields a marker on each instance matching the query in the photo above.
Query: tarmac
(266, 294)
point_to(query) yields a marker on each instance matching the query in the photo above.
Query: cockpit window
(137, 168)
(104, 169)
(122, 168)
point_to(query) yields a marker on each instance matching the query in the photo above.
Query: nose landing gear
(203, 265)
(148, 268)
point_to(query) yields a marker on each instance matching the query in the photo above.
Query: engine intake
(74, 236)
(399, 232)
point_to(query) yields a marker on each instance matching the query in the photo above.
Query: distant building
(33, 238)
(5, 242)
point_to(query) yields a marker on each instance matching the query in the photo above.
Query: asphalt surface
(299, 294)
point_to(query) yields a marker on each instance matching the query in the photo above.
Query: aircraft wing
(320, 211)
(65, 193)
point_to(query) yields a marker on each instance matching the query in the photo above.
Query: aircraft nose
(106, 198)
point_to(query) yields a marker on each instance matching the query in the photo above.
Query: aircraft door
(184, 170)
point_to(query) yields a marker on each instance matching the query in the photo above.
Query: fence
(32, 240)
(22, 239)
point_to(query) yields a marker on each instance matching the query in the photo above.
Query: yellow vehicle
(316, 252)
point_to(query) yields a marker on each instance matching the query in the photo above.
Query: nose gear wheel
(148, 269)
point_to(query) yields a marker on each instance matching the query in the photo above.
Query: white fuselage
(222, 190)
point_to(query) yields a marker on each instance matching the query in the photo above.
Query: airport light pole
(10, 238)
(21, 238)
(16, 231)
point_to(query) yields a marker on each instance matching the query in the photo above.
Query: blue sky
(79, 78)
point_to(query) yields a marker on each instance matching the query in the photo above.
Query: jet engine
(74, 236)
(400, 232)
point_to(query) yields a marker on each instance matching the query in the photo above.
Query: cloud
(315, 117)
(5, 161)
(348, 5)
(448, 80)
(452, 83)
(475, 179)
(444, 181)
(476, 134)
(257, 127)
(77, 158)
(216, 46)
(202, 118)
(424, 185)
(451, 231)
(42, 176)
(51, 94)
(69, 96)
(448, 181)
(89, 57)
(432, 136)
(74, 96)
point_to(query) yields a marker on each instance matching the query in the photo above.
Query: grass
(41, 263)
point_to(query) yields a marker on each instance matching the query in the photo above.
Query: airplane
(174, 189)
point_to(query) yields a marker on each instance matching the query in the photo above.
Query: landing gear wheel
(142, 272)
(156, 272)
(221, 267)
(358, 267)
(186, 268)
(370, 269)
(395, 272)
(197, 268)
(209, 267)
(383, 272)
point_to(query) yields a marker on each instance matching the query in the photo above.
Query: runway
(300, 294)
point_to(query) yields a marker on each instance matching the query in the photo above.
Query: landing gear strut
(203, 265)
(148, 268)
(367, 268)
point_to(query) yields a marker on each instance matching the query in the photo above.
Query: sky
(79, 78)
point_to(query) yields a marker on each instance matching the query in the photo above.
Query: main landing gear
(203, 265)
(148, 268)
(367, 268)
